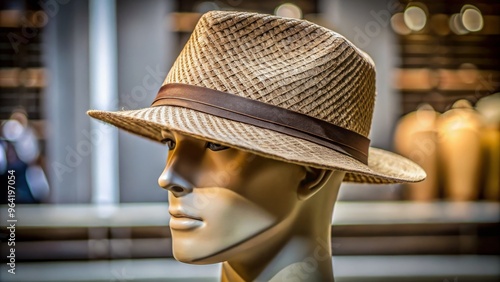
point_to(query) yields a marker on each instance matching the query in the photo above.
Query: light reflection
(288, 10)
(37, 182)
(20, 151)
(27, 147)
(415, 18)
(12, 130)
(471, 17)
(489, 107)
(456, 25)
(398, 24)
(3, 159)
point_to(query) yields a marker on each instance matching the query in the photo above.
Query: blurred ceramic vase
(416, 139)
(460, 151)
(489, 108)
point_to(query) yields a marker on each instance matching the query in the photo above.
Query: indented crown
(293, 64)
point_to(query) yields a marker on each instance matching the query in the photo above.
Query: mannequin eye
(169, 142)
(216, 147)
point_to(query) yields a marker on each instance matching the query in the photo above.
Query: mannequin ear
(313, 181)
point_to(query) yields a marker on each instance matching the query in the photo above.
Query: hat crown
(293, 64)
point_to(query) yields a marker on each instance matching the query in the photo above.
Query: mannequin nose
(173, 182)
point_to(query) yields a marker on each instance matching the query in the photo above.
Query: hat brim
(383, 167)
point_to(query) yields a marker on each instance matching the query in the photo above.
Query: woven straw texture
(288, 63)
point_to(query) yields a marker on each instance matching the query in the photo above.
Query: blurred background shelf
(126, 231)
(371, 241)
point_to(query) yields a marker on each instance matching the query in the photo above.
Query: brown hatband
(260, 114)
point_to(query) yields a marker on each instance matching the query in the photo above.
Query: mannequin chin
(228, 205)
(227, 220)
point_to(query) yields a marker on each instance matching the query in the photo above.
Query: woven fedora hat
(281, 88)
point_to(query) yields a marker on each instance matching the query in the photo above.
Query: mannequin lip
(182, 221)
(181, 214)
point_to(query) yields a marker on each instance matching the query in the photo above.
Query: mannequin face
(220, 198)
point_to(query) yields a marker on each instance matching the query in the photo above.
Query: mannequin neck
(297, 250)
(299, 259)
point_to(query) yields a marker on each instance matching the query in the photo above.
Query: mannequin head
(272, 86)
(235, 199)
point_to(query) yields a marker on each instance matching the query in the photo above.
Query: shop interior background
(87, 200)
